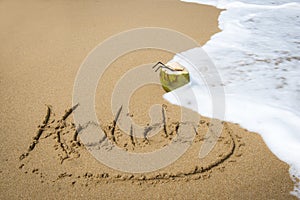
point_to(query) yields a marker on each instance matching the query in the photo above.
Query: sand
(43, 44)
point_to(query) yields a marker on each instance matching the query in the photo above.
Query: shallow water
(257, 58)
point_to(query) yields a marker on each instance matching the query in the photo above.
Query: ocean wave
(256, 54)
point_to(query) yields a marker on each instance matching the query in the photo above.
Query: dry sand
(43, 44)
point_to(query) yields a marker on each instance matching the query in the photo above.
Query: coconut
(172, 79)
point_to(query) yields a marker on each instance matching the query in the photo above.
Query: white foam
(257, 57)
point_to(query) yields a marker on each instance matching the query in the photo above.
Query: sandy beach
(43, 44)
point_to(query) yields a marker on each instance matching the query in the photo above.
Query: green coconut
(171, 80)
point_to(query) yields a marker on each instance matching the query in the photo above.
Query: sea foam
(256, 54)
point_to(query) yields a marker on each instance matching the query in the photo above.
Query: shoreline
(278, 101)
